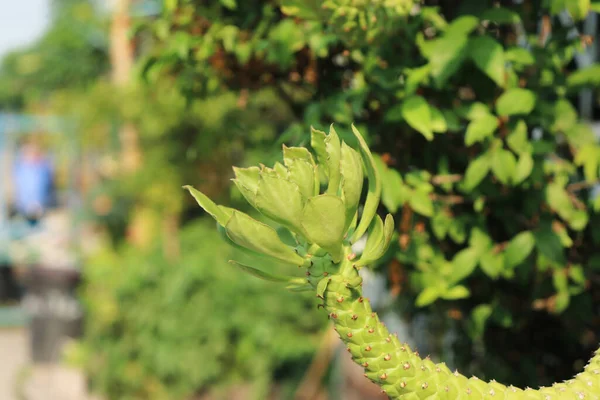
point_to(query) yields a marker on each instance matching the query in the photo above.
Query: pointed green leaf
(322, 286)
(291, 154)
(323, 221)
(246, 180)
(317, 142)
(219, 214)
(518, 249)
(523, 169)
(280, 200)
(256, 236)
(417, 114)
(504, 165)
(267, 276)
(281, 170)
(306, 287)
(333, 148)
(372, 202)
(488, 56)
(515, 101)
(476, 171)
(302, 173)
(481, 128)
(351, 167)
(378, 241)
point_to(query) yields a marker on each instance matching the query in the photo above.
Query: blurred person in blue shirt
(33, 179)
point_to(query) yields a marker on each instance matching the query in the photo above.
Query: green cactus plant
(320, 229)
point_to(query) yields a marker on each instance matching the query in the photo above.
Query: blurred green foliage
(486, 162)
(159, 329)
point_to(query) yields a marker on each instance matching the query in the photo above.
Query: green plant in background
(319, 230)
(161, 329)
(487, 159)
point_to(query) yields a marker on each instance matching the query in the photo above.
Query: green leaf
(479, 318)
(517, 139)
(463, 264)
(438, 121)
(256, 236)
(280, 200)
(476, 171)
(322, 286)
(518, 249)
(417, 114)
(503, 165)
(447, 55)
(515, 101)
(333, 148)
(578, 8)
(221, 215)
(372, 201)
(230, 4)
(394, 192)
(473, 111)
(519, 55)
(421, 203)
(488, 56)
(588, 156)
(480, 128)
(291, 154)
(501, 15)
(378, 240)
(587, 76)
(415, 77)
(462, 26)
(352, 180)
(456, 293)
(523, 169)
(267, 276)
(440, 224)
(303, 174)
(427, 296)
(317, 142)
(558, 200)
(492, 263)
(549, 245)
(323, 221)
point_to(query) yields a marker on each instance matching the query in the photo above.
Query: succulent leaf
(323, 221)
(351, 168)
(333, 148)
(267, 276)
(280, 200)
(378, 241)
(256, 236)
(303, 174)
(317, 142)
(372, 201)
(220, 214)
(292, 154)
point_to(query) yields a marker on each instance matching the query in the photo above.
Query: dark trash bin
(54, 311)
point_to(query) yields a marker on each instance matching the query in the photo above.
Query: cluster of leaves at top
(487, 163)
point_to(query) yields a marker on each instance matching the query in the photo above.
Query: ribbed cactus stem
(400, 371)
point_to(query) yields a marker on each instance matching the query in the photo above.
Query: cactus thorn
(340, 299)
(387, 357)
(371, 330)
(360, 299)
(368, 348)
(406, 366)
(349, 334)
(424, 385)
(402, 384)
(354, 317)
(365, 364)
(383, 376)
(351, 256)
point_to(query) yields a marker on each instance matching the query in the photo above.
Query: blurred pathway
(20, 380)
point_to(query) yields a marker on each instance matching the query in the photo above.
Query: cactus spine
(323, 228)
